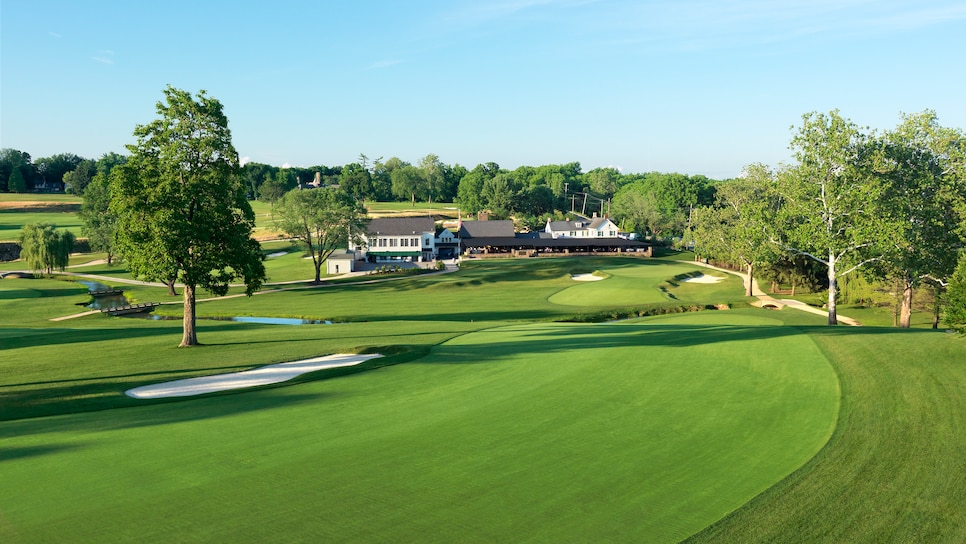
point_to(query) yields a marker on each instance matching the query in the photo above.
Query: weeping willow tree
(45, 248)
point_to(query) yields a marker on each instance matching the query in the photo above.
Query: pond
(247, 319)
(104, 301)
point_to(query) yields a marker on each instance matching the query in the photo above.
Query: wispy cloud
(484, 12)
(55, 35)
(104, 57)
(706, 24)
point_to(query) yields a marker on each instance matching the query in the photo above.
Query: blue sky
(691, 86)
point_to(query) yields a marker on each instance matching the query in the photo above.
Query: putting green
(637, 431)
(624, 286)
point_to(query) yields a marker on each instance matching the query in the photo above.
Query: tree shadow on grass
(147, 413)
(567, 338)
(59, 336)
(23, 452)
(108, 392)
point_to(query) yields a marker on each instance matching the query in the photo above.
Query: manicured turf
(11, 222)
(521, 430)
(546, 432)
(644, 284)
(894, 469)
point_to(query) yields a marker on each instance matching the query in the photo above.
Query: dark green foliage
(43, 247)
(16, 183)
(181, 205)
(100, 223)
(955, 309)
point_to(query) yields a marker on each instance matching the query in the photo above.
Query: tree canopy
(181, 205)
(323, 220)
(45, 248)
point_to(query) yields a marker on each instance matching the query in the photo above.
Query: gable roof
(478, 229)
(586, 224)
(400, 226)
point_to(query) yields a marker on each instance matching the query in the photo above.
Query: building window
(415, 242)
(382, 242)
(392, 242)
(404, 242)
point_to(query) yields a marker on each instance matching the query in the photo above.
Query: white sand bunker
(704, 278)
(249, 378)
(585, 277)
(277, 254)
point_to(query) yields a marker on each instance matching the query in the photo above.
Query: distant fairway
(642, 431)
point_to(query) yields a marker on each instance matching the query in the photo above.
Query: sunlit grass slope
(623, 432)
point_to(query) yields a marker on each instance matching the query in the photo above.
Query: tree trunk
(905, 309)
(318, 269)
(171, 291)
(190, 337)
(936, 306)
(110, 257)
(751, 281)
(832, 288)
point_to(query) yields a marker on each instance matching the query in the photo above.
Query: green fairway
(547, 432)
(489, 421)
(12, 221)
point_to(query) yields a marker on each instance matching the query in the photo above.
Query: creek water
(103, 302)
(246, 319)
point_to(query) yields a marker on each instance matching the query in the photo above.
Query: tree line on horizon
(655, 202)
(884, 205)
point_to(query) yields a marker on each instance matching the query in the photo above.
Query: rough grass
(893, 470)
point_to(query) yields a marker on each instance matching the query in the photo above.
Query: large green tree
(739, 228)
(43, 247)
(181, 204)
(16, 182)
(100, 223)
(77, 179)
(10, 160)
(832, 210)
(406, 182)
(641, 210)
(921, 164)
(323, 220)
(432, 171)
(356, 181)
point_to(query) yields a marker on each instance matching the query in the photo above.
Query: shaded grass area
(532, 432)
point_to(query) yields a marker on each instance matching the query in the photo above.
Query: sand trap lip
(585, 277)
(265, 375)
(704, 278)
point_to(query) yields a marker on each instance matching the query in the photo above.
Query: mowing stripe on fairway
(637, 431)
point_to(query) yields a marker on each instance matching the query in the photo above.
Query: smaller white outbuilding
(341, 261)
